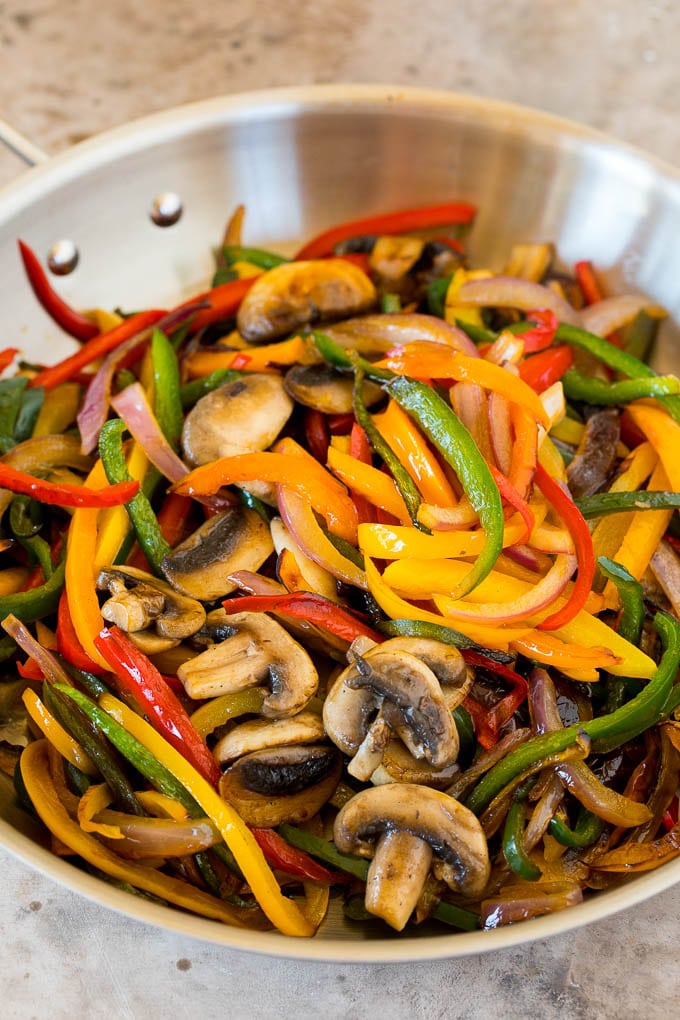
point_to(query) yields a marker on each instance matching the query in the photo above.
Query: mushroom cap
(236, 539)
(243, 416)
(259, 652)
(451, 829)
(296, 294)
(324, 389)
(264, 734)
(172, 615)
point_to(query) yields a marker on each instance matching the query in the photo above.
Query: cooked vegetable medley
(352, 581)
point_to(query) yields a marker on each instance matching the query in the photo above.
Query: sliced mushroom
(298, 294)
(596, 454)
(324, 389)
(390, 690)
(399, 766)
(401, 826)
(154, 615)
(236, 539)
(288, 784)
(258, 653)
(264, 734)
(244, 416)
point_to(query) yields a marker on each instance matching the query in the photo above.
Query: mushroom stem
(396, 876)
(370, 751)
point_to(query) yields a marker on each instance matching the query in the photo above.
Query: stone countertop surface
(72, 68)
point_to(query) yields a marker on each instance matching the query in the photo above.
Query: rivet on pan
(62, 258)
(166, 209)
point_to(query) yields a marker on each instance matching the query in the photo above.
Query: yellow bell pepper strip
(304, 474)
(398, 609)
(58, 411)
(641, 539)
(114, 524)
(12, 580)
(583, 543)
(663, 432)
(609, 532)
(456, 445)
(281, 911)
(412, 450)
(43, 794)
(365, 480)
(81, 548)
(56, 734)
(300, 519)
(161, 806)
(454, 310)
(395, 542)
(265, 358)
(423, 359)
(95, 799)
(218, 711)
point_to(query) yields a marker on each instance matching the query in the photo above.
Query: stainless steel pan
(302, 159)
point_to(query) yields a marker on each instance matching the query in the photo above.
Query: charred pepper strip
(139, 509)
(606, 732)
(71, 321)
(445, 430)
(604, 503)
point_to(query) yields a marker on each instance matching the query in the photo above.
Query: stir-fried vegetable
(374, 573)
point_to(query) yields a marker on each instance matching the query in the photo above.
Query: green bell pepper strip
(78, 724)
(256, 504)
(513, 832)
(604, 503)
(597, 391)
(641, 336)
(481, 335)
(256, 256)
(445, 430)
(438, 632)
(167, 395)
(36, 603)
(141, 515)
(11, 395)
(630, 594)
(390, 303)
(31, 402)
(192, 391)
(587, 829)
(402, 479)
(436, 296)
(607, 731)
(617, 359)
(223, 275)
(466, 734)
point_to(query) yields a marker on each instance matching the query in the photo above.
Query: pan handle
(21, 146)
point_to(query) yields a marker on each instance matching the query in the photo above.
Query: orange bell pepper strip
(304, 474)
(378, 488)
(45, 799)
(265, 358)
(425, 359)
(415, 455)
(510, 495)
(81, 546)
(552, 651)
(524, 449)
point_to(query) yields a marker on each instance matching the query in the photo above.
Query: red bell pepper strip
(360, 449)
(138, 680)
(96, 348)
(486, 736)
(30, 670)
(592, 291)
(670, 817)
(540, 336)
(64, 494)
(285, 857)
(583, 543)
(316, 433)
(547, 367)
(7, 357)
(340, 424)
(68, 645)
(221, 302)
(497, 717)
(449, 214)
(307, 606)
(510, 495)
(71, 321)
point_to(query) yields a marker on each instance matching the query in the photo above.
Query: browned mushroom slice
(298, 294)
(287, 784)
(326, 390)
(155, 616)
(264, 734)
(596, 454)
(236, 539)
(258, 652)
(398, 765)
(243, 416)
(401, 826)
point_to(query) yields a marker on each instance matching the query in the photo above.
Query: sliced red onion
(506, 350)
(524, 557)
(159, 837)
(470, 404)
(542, 814)
(50, 666)
(379, 333)
(529, 901)
(256, 584)
(500, 433)
(610, 314)
(514, 292)
(447, 518)
(133, 407)
(665, 564)
(298, 516)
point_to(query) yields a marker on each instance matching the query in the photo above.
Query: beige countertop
(71, 68)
